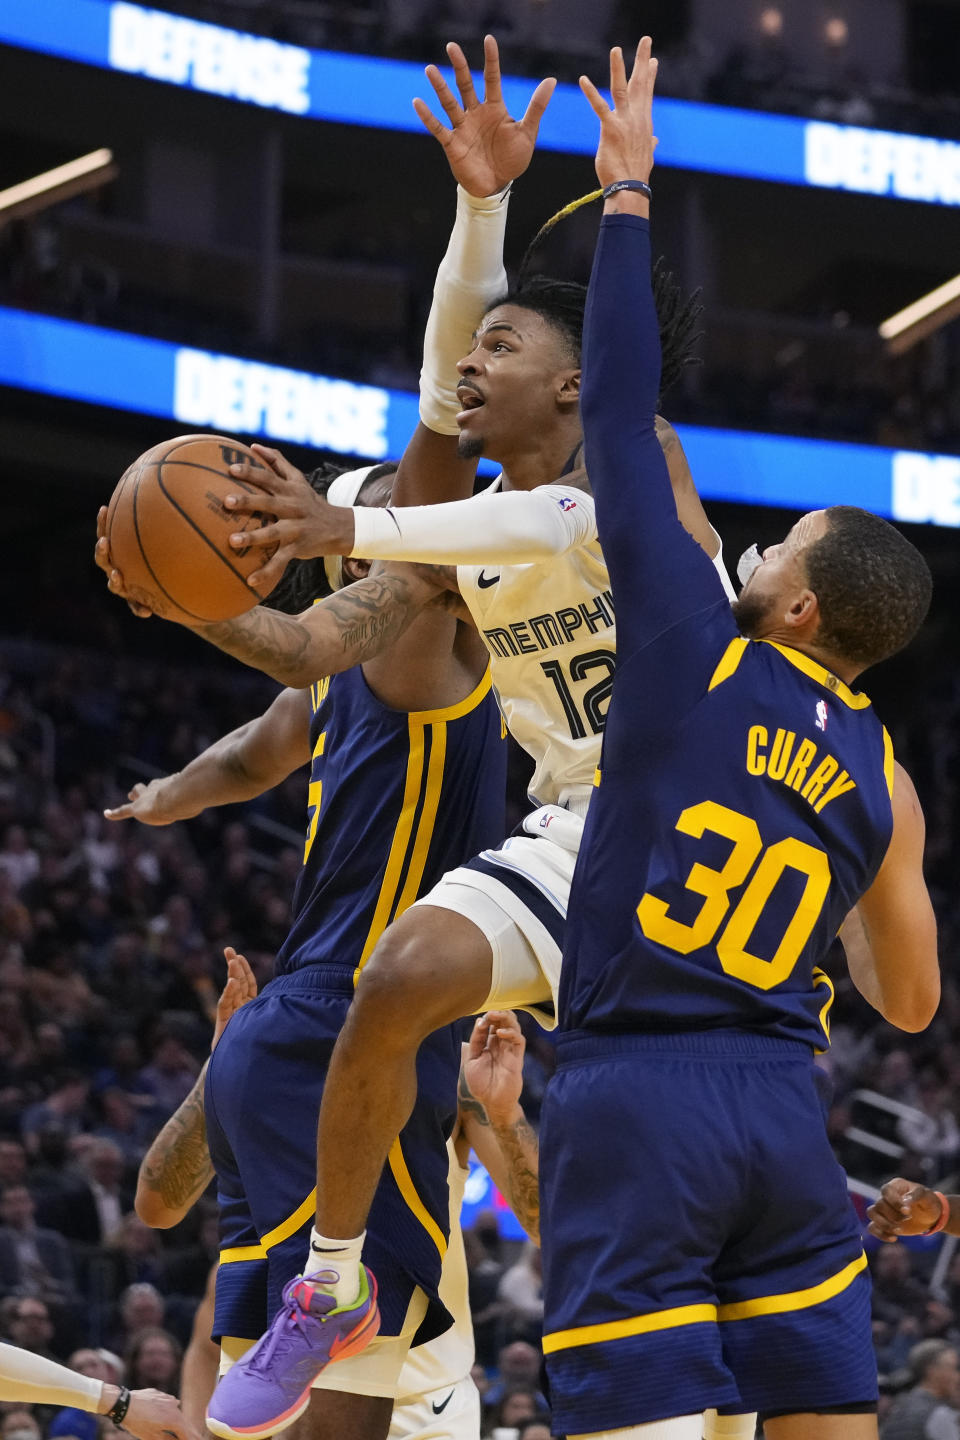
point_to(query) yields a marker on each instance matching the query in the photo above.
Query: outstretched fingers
(597, 102)
(539, 101)
(492, 88)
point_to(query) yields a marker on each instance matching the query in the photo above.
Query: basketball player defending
(748, 801)
(534, 582)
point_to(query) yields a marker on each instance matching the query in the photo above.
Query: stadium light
(77, 176)
(925, 316)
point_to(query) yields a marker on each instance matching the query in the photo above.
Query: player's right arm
(492, 1118)
(249, 761)
(890, 938)
(486, 151)
(906, 1207)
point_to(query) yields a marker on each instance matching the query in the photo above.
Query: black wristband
(640, 186)
(120, 1406)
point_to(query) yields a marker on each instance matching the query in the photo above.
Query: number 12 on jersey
(715, 887)
(592, 708)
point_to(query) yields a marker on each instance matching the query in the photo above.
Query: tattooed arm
(491, 1118)
(176, 1169)
(344, 630)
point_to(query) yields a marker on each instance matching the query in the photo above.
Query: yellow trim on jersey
(428, 819)
(622, 1329)
(888, 761)
(398, 850)
(855, 699)
(729, 661)
(242, 1252)
(462, 707)
(704, 1313)
(596, 777)
(408, 1190)
(818, 976)
(795, 1299)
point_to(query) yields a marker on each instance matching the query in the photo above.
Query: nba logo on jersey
(566, 503)
(821, 714)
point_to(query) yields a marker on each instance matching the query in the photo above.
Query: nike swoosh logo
(485, 584)
(438, 1409)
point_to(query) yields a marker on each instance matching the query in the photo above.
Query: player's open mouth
(470, 399)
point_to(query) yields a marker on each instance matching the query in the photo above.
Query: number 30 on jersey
(732, 931)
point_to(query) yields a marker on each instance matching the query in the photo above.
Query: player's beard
(469, 447)
(751, 612)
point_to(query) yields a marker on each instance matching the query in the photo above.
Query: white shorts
(445, 1414)
(518, 897)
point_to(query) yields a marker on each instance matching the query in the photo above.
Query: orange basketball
(169, 530)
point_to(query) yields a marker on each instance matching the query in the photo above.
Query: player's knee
(403, 987)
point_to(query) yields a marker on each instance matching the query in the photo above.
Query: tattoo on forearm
(263, 638)
(371, 614)
(519, 1146)
(469, 1102)
(177, 1165)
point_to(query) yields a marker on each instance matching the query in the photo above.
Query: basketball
(169, 530)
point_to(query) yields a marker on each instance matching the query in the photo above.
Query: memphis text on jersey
(556, 627)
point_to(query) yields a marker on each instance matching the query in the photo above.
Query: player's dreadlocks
(304, 581)
(563, 302)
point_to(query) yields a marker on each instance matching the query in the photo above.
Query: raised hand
(305, 525)
(905, 1207)
(240, 989)
(485, 147)
(103, 559)
(493, 1064)
(627, 141)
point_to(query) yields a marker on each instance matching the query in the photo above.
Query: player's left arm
(177, 1168)
(891, 937)
(492, 1118)
(658, 577)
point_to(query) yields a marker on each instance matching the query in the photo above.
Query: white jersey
(549, 629)
(531, 572)
(443, 1362)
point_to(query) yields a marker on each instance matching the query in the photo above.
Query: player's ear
(804, 611)
(356, 569)
(568, 391)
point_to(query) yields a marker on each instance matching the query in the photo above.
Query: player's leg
(429, 968)
(333, 1414)
(821, 1427)
(488, 935)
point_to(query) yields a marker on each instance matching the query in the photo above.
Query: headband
(343, 491)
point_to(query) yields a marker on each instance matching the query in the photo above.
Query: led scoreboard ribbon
(199, 388)
(363, 90)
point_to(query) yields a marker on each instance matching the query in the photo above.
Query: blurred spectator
(172, 1070)
(896, 1291)
(929, 1410)
(518, 1369)
(32, 1261)
(153, 1361)
(17, 857)
(521, 1291)
(63, 1107)
(27, 1323)
(20, 1423)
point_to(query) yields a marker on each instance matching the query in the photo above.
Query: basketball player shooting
(748, 801)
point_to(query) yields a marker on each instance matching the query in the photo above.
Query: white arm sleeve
(35, 1381)
(513, 527)
(471, 276)
(721, 569)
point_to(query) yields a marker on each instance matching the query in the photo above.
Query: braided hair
(562, 302)
(305, 581)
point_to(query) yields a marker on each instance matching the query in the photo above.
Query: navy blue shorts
(699, 1245)
(264, 1086)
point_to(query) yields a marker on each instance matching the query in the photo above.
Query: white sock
(728, 1427)
(339, 1258)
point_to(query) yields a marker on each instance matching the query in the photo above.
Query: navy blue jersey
(396, 798)
(744, 802)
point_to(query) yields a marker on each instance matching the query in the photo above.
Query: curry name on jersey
(741, 834)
